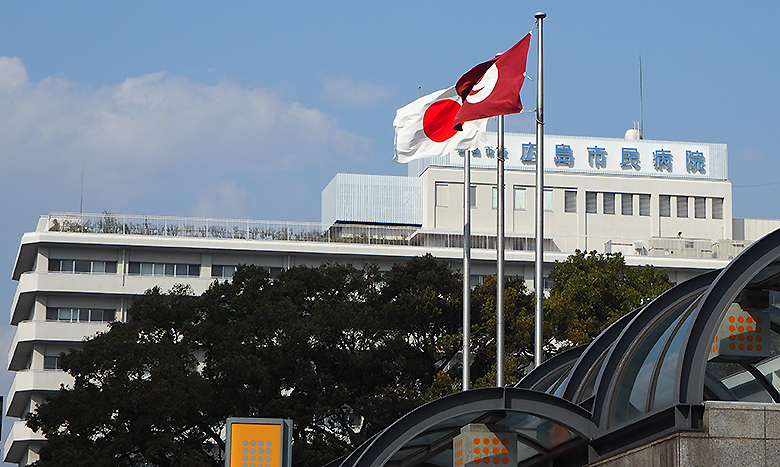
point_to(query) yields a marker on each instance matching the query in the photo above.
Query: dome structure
(650, 374)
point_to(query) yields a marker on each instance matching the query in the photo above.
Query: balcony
(18, 442)
(30, 332)
(27, 382)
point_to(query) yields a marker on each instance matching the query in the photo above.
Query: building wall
(735, 433)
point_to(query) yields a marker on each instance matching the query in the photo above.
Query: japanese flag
(424, 128)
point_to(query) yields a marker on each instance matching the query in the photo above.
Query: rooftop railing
(198, 227)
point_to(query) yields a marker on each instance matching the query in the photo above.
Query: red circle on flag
(439, 119)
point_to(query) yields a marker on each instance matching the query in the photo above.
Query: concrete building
(662, 203)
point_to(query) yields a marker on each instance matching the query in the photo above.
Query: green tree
(590, 291)
(137, 398)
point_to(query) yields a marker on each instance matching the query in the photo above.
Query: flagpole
(466, 269)
(500, 257)
(539, 272)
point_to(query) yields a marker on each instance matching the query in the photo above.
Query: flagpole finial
(540, 15)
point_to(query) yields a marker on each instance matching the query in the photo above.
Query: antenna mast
(641, 102)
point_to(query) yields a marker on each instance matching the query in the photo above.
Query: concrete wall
(736, 434)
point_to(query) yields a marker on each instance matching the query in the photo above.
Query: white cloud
(158, 137)
(346, 92)
(228, 201)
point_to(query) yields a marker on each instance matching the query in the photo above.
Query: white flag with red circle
(424, 128)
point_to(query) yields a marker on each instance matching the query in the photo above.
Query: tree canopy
(341, 351)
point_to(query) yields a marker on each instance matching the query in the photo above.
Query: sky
(248, 109)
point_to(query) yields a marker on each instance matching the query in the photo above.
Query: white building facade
(662, 203)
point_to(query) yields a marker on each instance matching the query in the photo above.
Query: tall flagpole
(500, 257)
(539, 273)
(466, 269)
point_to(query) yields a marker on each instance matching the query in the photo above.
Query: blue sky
(248, 109)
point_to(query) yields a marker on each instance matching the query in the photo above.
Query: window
(717, 208)
(80, 266)
(569, 201)
(682, 206)
(51, 363)
(590, 202)
(609, 203)
(441, 194)
(223, 272)
(163, 269)
(700, 208)
(627, 204)
(495, 197)
(644, 205)
(473, 194)
(80, 315)
(548, 199)
(665, 206)
(519, 198)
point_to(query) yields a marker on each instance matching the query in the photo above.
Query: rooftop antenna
(641, 102)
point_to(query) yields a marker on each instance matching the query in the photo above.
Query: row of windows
(610, 202)
(80, 315)
(227, 272)
(82, 266)
(699, 207)
(163, 269)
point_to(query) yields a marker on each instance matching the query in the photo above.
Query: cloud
(162, 139)
(227, 201)
(346, 92)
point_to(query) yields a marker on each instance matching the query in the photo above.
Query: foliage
(343, 352)
(593, 290)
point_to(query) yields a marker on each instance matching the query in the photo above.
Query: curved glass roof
(714, 337)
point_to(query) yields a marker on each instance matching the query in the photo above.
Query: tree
(137, 398)
(590, 291)
(342, 352)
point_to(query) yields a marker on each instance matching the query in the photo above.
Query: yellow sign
(256, 445)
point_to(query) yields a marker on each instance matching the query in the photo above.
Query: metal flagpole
(539, 273)
(500, 257)
(466, 269)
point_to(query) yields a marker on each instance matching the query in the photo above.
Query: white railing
(168, 226)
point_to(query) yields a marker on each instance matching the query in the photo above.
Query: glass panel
(609, 203)
(216, 271)
(64, 314)
(109, 315)
(182, 269)
(96, 315)
(633, 384)
(519, 199)
(170, 269)
(665, 205)
(98, 267)
(717, 208)
(194, 270)
(146, 269)
(66, 265)
(83, 266)
(644, 205)
(682, 206)
(54, 265)
(570, 201)
(590, 202)
(159, 269)
(664, 385)
(473, 195)
(51, 314)
(627, 204)
(51, 363)
(590, 378)
(739, 382)
(134, 268)
(84, 314)
(700, 208)
(110, 267)
(548, 199)
(494, 203)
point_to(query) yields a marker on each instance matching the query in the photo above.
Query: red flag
(493, 88)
